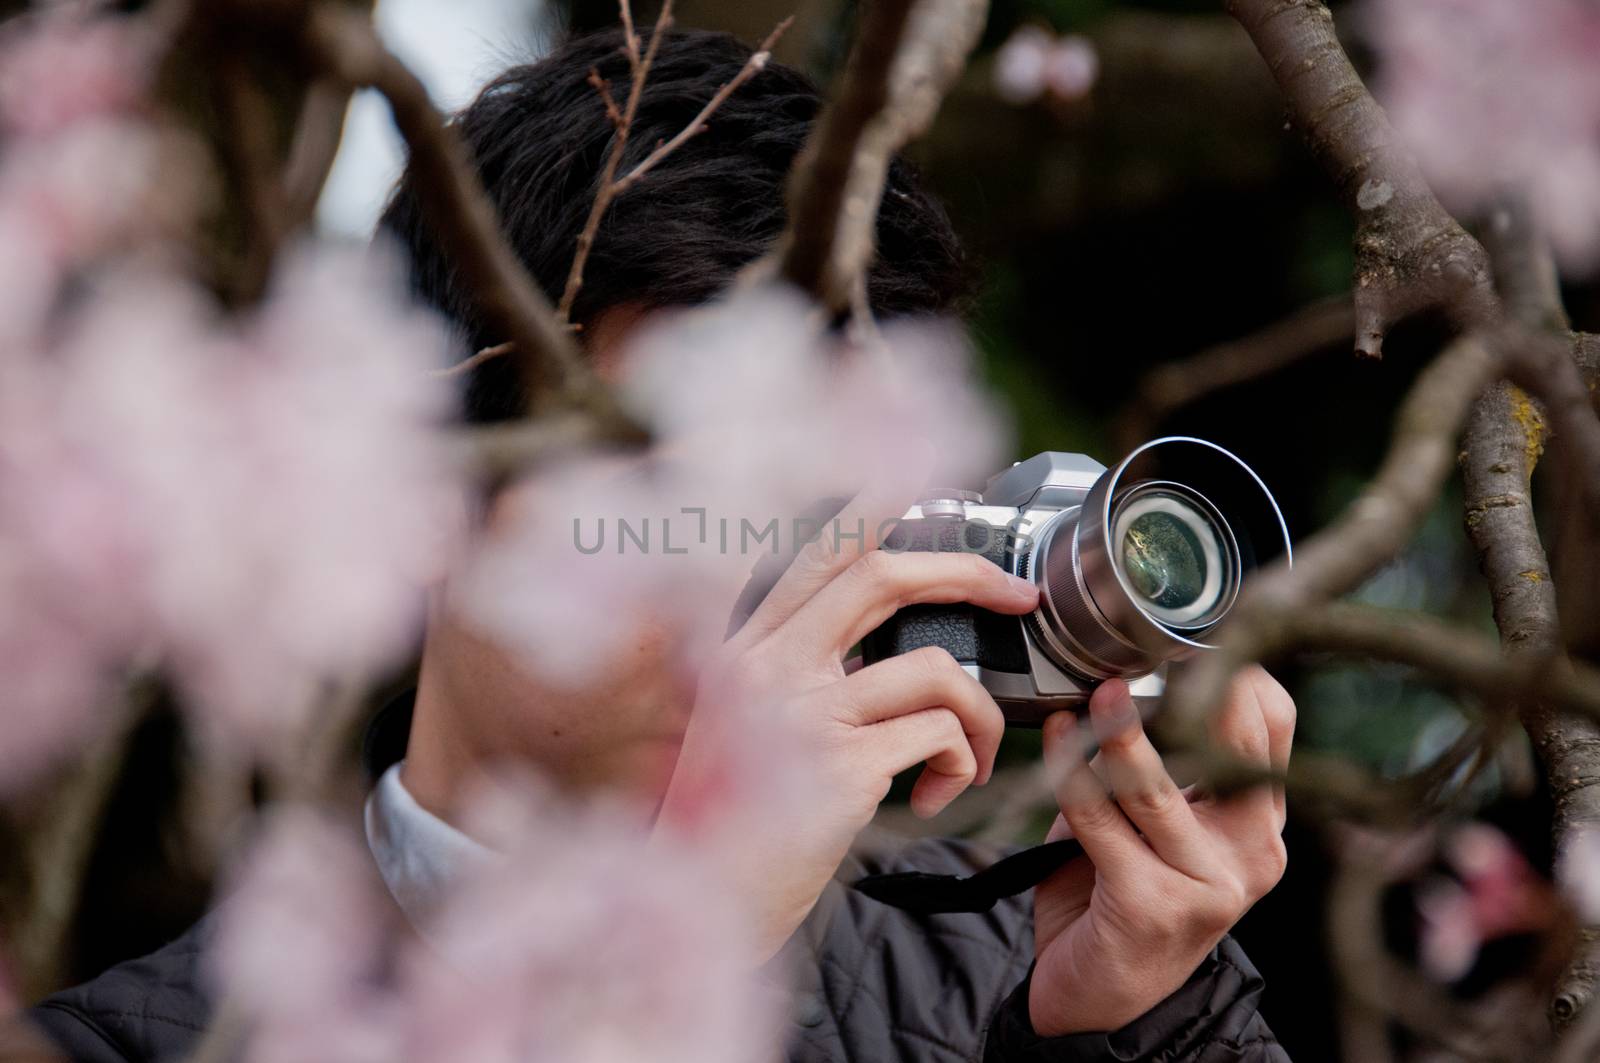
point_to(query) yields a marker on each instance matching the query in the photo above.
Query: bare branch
(907, 55)
(610, 185)
(251, 159)
(1370, 532)
(1174, 385)
(318, 132)
(1504, 441)
(493, 452)
(1445, 651)
(1410, 253)
(606, 190)
(57, 856)
(467, 365)
(463, 216)
(603, 88)
(753, 66)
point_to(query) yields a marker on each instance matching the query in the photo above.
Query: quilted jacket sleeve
(1211, 1019)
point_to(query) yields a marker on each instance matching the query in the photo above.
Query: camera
(1135, 566)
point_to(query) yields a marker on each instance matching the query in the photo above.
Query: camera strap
(928, 894)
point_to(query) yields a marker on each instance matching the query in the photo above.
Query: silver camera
(1135, 566)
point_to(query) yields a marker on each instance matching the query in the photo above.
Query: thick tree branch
(318, 133)
(1410, 253)
(1453, 654)
(907, 56)
(1366, 536)
(1504, 440)
(464, 219)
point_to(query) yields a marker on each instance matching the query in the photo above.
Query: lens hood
(1090, 615)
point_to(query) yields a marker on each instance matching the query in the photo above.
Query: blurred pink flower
(58, 67)
(1494, 893)
(1073, 67)
(584, 941)
(299, 945)
(590, 943)
(258, 507)
(1034, 62)
(757, 417)
(1019, 66)
(1497, 98)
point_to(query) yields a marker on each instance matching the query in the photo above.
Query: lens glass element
(1172, 557)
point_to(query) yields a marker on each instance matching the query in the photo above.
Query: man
(1121, 955)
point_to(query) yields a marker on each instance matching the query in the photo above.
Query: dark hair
(539, 135)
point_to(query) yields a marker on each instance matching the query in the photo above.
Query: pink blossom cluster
(68, 65)
(757, 415)
(1491, 893)
(253, 506)
(1035, 63)
(1498, 99)
(248, 504)
(581, 941)
(83, 171)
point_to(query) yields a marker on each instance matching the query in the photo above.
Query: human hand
(853, 732)
(1164, 876)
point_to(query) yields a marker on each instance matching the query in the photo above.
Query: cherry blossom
(552, 951)
(299, 945)
(62, 66)
(255, 507)
(1492, 893)
(1034, 62)
(1497, 98)
(757, 417)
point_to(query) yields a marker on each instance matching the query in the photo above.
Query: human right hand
(856, 731)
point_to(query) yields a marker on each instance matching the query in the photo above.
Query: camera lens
(1173, 557)
(1152, 559)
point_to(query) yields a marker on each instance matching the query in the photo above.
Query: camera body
(1134, 564)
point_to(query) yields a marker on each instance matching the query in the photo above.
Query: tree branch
(622, 123)
(1173, 385)
(1504, 441)
(1411, 255)
(907, 56)
(1445, 651)
(464, 219)
(752, 67)
(611, 186)
(318, 133)
(1367, 535)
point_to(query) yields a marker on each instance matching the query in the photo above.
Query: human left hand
(1164, 877)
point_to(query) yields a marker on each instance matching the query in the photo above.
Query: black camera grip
(971, 635)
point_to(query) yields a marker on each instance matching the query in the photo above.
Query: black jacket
(872, 984)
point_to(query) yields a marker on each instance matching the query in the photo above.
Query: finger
(1060, 830)
(871, 514)
(933, 737)
(1277, 709)
(1095, 820)
(1239, 730)
(881, 583)
(1140, 784)
(923, 679)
